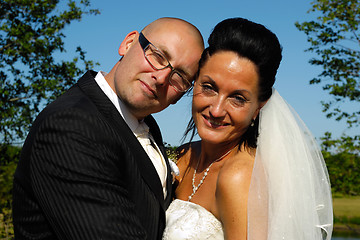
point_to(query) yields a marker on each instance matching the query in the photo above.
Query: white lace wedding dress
(187, 220)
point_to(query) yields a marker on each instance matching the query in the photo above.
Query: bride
(257, 172)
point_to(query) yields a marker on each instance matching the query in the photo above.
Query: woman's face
(225, 98)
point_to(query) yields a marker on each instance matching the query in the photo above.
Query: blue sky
(100, 36)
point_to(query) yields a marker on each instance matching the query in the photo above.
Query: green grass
(346, 214)
(347, 207)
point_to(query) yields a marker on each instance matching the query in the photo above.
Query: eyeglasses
(158, 61)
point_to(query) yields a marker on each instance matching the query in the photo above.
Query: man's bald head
(143, 88)
(174, 24)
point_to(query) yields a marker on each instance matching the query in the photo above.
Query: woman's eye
(207, 88)
(239, 100)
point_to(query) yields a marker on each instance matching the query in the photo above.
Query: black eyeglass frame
(145, 43)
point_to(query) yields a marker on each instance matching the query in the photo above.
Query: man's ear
(128, 42)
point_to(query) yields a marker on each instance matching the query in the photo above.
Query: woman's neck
(210, 153)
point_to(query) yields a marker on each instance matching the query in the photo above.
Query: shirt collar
(129, 118)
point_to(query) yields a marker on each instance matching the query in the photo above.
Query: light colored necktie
(147, 142)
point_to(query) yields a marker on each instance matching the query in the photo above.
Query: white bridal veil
(290, 195)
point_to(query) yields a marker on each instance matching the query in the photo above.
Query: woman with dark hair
(257, 172)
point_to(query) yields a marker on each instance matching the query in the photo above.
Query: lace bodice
(187, 220)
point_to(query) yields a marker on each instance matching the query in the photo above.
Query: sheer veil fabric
(290, 194)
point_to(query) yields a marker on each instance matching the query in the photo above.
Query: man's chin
(138, 108)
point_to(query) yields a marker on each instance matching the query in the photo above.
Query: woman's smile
(213, 123)
(225, 97)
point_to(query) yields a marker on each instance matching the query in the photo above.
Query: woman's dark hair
(252, 41)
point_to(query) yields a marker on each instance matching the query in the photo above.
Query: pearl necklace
(195, 188)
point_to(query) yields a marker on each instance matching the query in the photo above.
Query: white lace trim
(187, 220)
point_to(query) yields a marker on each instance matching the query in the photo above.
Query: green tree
(335, 39)
(342, 158)
(31, 33)
(32, 75)
(8, 161)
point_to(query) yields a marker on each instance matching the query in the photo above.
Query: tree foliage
(342, 158)
(31, 75)
(344, 173)
(31, 40)
(9, 156)
(343, 144)
(335, 39)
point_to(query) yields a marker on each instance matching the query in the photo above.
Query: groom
(89, 169)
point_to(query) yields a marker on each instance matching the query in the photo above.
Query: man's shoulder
(72, 100)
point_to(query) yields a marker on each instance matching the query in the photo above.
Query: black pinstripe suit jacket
(83, 174)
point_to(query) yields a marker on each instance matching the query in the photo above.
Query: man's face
(144, 89)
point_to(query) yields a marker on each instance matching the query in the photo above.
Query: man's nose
(162, 76)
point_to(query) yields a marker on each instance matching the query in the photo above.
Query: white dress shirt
(134, 124)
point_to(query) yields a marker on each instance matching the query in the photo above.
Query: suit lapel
(147, 170)
(155, 131)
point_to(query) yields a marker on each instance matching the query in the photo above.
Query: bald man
(94, 165)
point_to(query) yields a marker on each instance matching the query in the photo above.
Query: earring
(252, 123)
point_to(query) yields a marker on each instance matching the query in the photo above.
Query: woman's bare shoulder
(235, 176)
(185, 155)
(185, 151)
(237, 169)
